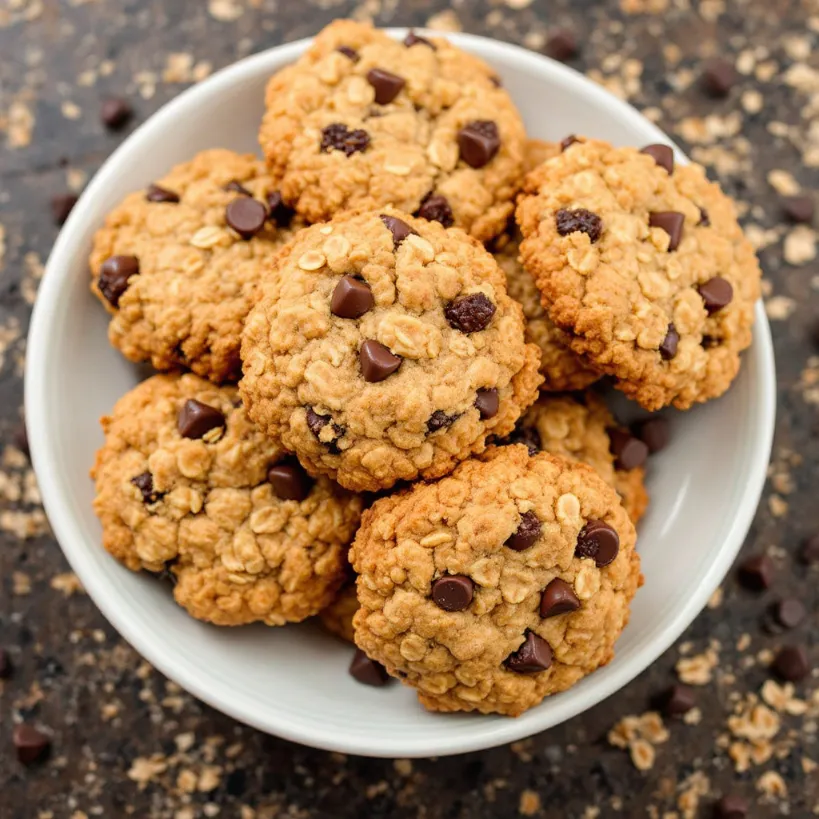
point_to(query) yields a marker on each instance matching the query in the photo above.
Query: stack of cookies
(377, 350)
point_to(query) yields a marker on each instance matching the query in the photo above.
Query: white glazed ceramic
(293, 681)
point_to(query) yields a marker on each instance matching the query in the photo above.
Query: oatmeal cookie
(185, 482)
(644, 265)
(363, 121)
(337, 618)
(582, 428)
(505, 582)
(385, 348)
(562, 370)
(536, 152)
(177, 264)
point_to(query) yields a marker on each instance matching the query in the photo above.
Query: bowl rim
(66, 531)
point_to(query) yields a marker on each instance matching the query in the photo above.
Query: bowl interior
(293, 681)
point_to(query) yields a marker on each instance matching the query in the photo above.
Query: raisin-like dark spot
(471, 313)
(316, 423)
(528, 436)
(582, 220)
(145, 483)
(439, 419)
(705, 221)
(436, 208)
(340, 138)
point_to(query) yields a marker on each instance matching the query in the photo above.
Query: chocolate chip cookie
(185, 483)
(562, 369)
(177, 264)
(384, 347)
(642, 262)
(505, 582)
(362, 121)
(581, 427)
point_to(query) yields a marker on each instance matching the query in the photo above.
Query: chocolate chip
(235, 186)
(233, 368)
(115, 113)
(668, 349)
(278, 211)
(579, 220)
(31, 744)
(145, 483)
(114, 275)
(289, 481)
(671, 221)
(798, 209)
(705, 219)
(709, 342)
(558, 598)
(526, 534)
(716, 293)
(453, 592)
(156, 193)
(788, 613)
(598, 541)
(436, 208)
(567, 142)
(809, 553)
(61, 206)
(439, 419)
(350, 53)
(791, 664)
(399, 229)
(719, 77)
(478, 142)
(387, 85)
(316, 422)
(533, 656)
(470, 314)
(663, 155)
(655, 433)
(413, 39)
(528, 436)
(377, 362)
(629, 452)
(677, 700)
(352, 298)
(561, 45)
(246, 216)
(339, 137)
(487, 403)
(6, 668)
(731, 807)
(368, 671)
(756, 573)
(196, 419)
(496, 81)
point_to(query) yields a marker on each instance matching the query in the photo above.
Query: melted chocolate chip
(156, 193)
(316, 423)
(196, 419)
(716, 293)
(478, 142)
(114, 275)
(235, 186)
(399, 229)
(350, 53)
(487, 403)
(377, 362)
(453, 592)
(439, 419)
(278, 211)
(387, 86)
(598, 541)
(526, 534)
(289, 481)
(413, 39)
(668, 349)
(663, 155)
(436, 208)
(533, 656)
(368, 671)
(568, 141)
(558, 598)
(671, 221)
(352, 298)
(145, 483)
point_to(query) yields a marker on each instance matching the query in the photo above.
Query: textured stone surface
(126, 741)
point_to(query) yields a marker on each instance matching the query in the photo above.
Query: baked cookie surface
(363, 121)
(178, 264)
(505, 582)
(385, 348)
(562, 369)
(185, 482)
(643, 263)
(337, 617)
(582, 428)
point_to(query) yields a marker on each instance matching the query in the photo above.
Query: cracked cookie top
(643, 263)
(362, 121)
(177, 264)
(384, 348)
(185, 482)
(505, 582)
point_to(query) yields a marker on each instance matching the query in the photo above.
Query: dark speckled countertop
(126, 741)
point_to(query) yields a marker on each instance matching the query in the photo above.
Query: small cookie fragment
(186, 483)
(386, 349)
(519, 625)
(562, 370)
(646, 271)
(178, 264)
(362, 121)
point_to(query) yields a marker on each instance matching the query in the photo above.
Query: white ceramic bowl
(293, 681)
